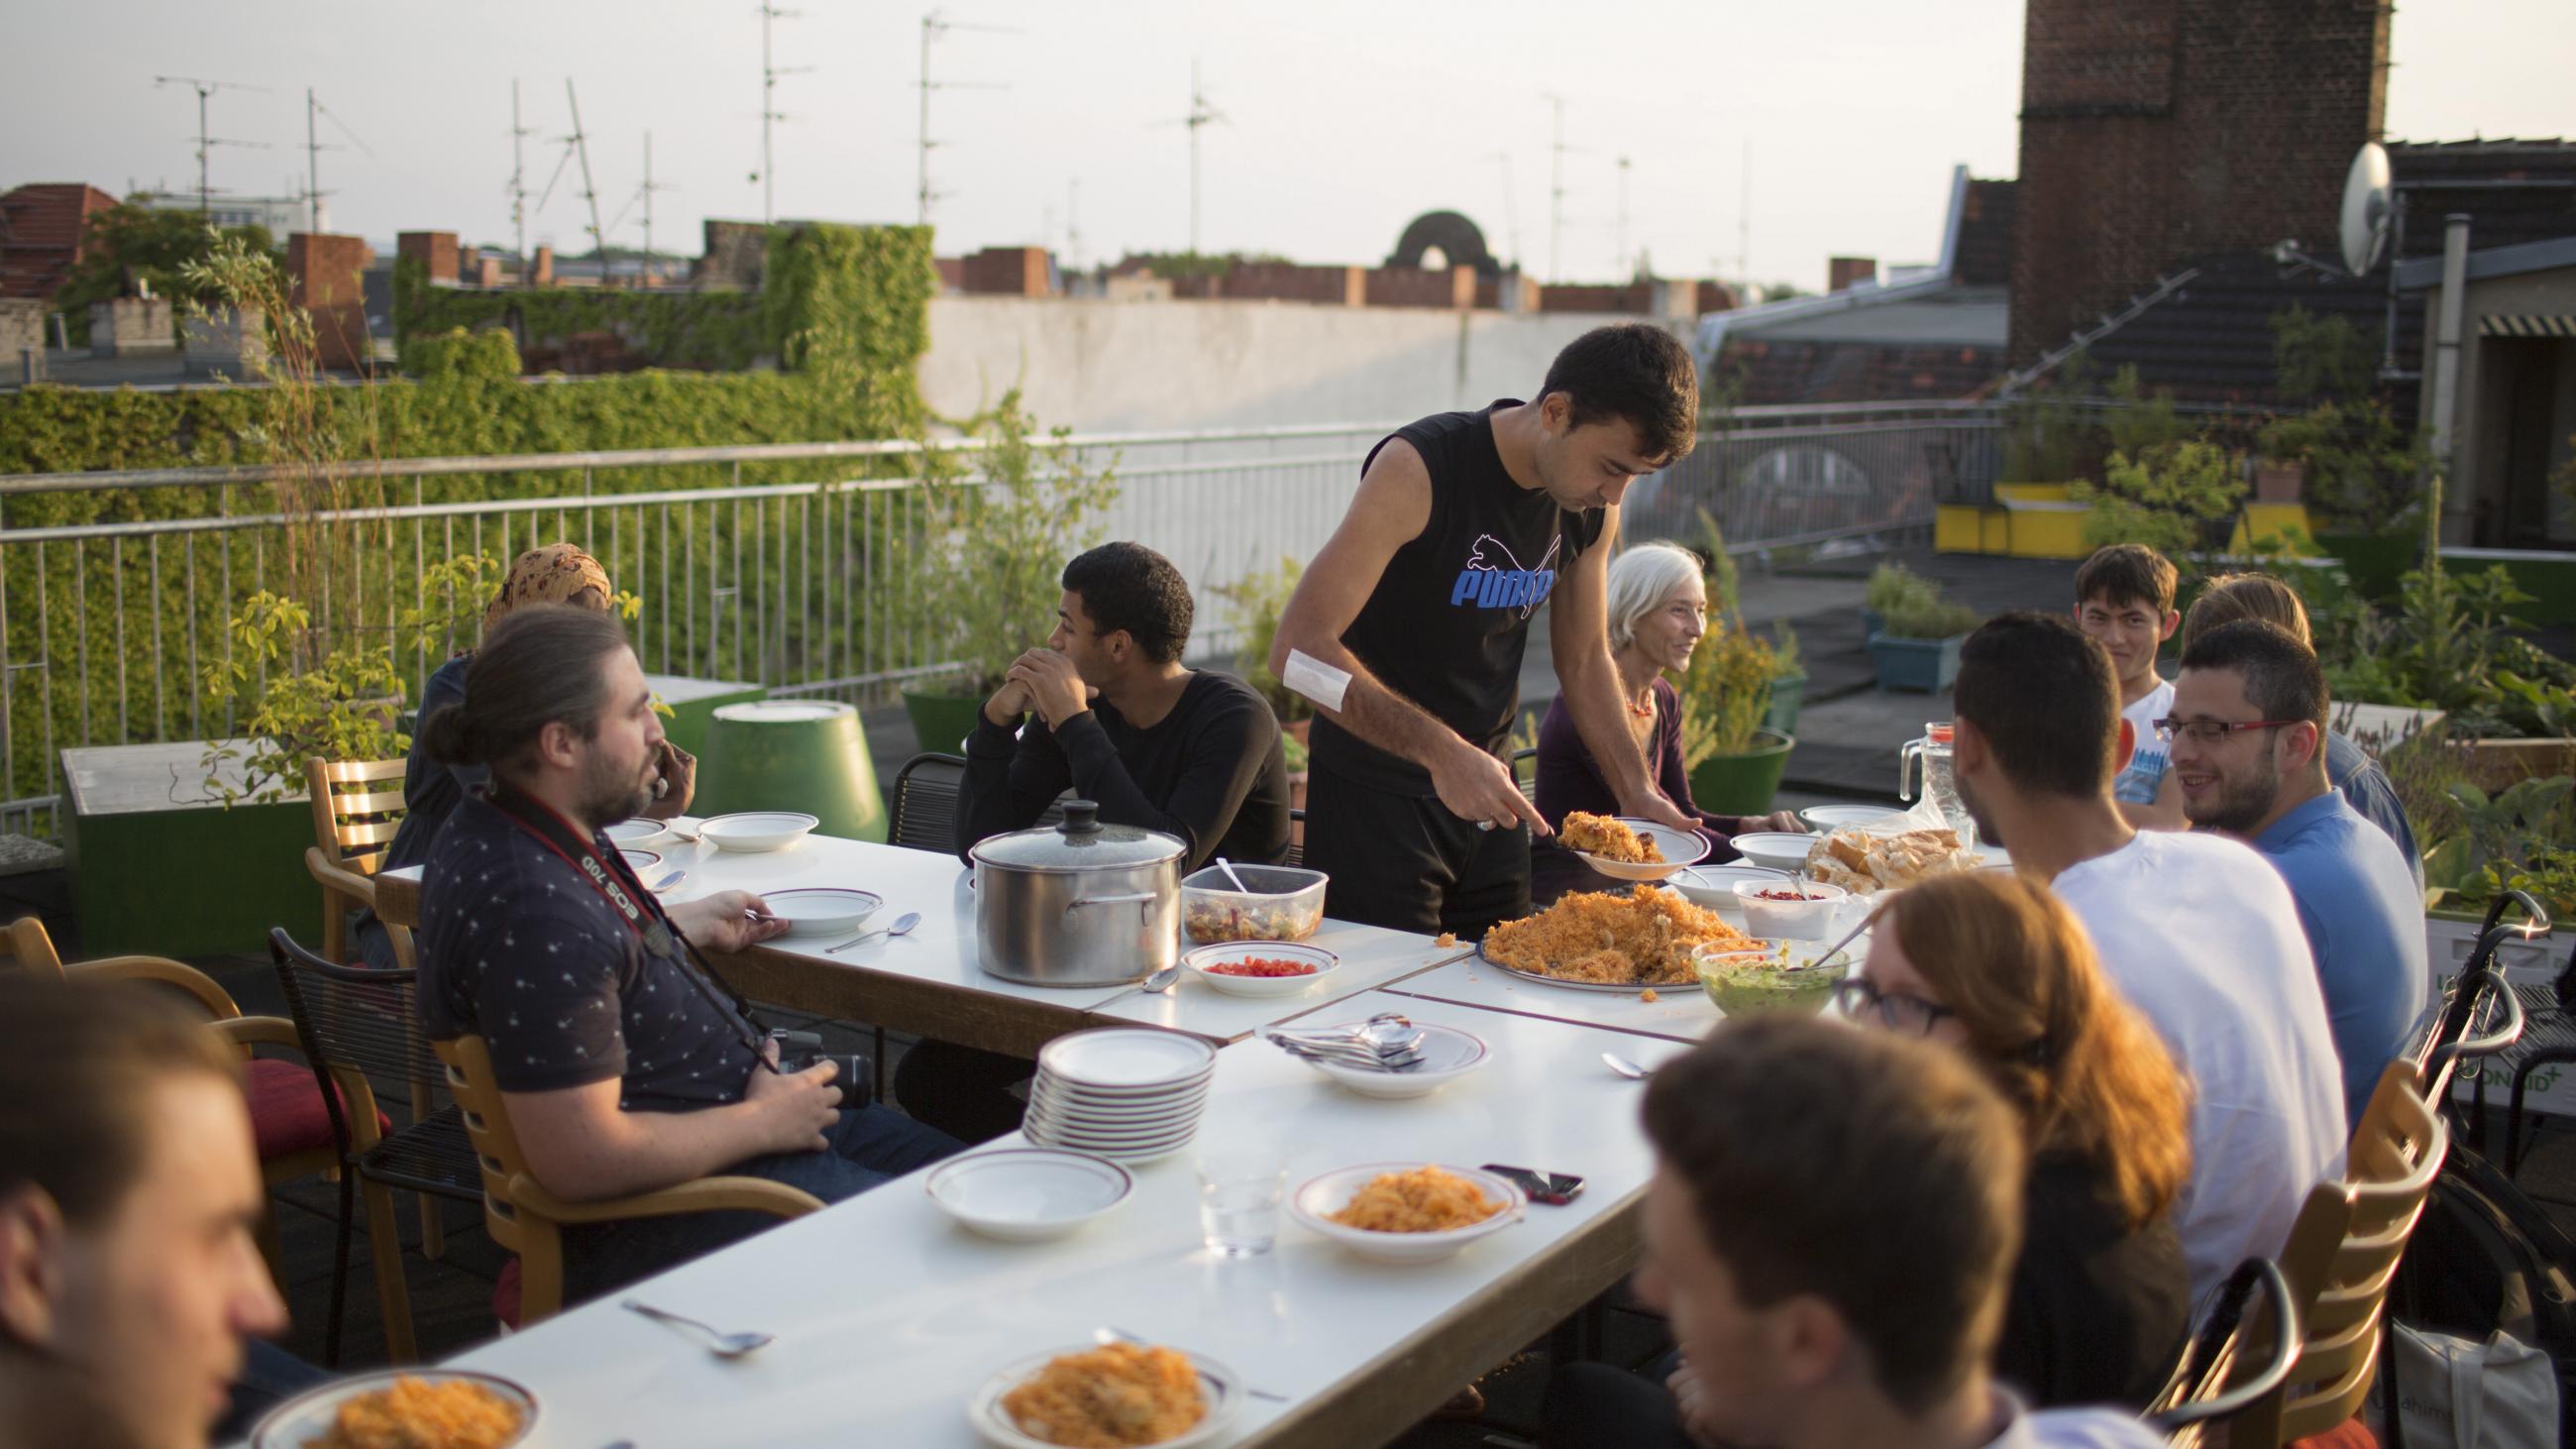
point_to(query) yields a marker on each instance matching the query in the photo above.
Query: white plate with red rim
(1045, 1095)
(1220, 1388)
(754, 832)
(1124, 1061)
(644, 863)
(1679, 848)
(638, 833)
(1331, 1192)
(1141, 1151)
(822, 910)
(1024, 1194)
(1202, 961)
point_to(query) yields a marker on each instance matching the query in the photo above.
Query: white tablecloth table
(889, 1316)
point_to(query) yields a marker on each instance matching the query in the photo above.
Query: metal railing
(110, 617)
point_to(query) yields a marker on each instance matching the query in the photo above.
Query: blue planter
(1927, 666)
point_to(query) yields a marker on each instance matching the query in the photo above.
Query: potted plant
(987, 572)
(1916, 643)
(1788, 681)
(1254, 606)
(1735, 761)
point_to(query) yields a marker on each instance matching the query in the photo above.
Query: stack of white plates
(1128, 1093)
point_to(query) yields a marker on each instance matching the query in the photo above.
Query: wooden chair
(525, 1218)
(357, 807)
(2214, 1381)
(288, 1122)
(2339, 1278)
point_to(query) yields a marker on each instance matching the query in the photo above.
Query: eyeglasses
(2211, 731)
(1859, 998)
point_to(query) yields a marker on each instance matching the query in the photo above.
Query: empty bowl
(759, 830)
(1777, 849)
(639, 833)
(1023, 1194)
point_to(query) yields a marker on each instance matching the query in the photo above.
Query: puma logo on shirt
(1487, 584)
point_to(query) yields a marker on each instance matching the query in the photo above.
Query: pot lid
(1081, 842)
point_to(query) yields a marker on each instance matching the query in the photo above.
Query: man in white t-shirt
(2199, 932)
(2124, 601)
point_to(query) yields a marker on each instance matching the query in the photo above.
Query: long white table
(889, 1316)
(1680, 1013)
(930, 981)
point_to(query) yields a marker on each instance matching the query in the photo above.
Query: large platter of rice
(1601, 942)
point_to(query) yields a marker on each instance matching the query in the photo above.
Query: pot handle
(1079, 902)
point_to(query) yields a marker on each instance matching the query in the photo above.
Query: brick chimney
(1841, 272)
(326, 270)
(434, 250)
(2158, 131)
(541, 269)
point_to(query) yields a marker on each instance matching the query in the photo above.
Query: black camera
(802, 1050)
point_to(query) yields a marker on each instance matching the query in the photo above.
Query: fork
(1106, 1335)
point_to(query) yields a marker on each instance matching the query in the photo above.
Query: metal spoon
(719, 1343)
(668, 881)
(1625, 1067)
(902, 924)
(1161, 981)
(1107, 1336)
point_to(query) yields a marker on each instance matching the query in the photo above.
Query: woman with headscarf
(557, 573)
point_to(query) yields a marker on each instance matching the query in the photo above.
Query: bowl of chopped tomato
(1260, 968)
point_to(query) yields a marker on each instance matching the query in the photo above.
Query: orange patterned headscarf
(553, 574)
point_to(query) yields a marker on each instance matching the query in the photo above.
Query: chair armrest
(706, 1195)
(251, 1031)
(338, 879)
(217, 1001)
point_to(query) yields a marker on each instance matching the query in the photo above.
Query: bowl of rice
(1107, 1396)
(1407, 1212)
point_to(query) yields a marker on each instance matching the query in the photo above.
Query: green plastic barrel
(792, 754)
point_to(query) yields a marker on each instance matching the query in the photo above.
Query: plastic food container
(1282, 904)
(1808, 918)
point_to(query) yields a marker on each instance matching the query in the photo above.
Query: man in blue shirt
(2248, 731)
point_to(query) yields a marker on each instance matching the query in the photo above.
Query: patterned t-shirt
(517, 947)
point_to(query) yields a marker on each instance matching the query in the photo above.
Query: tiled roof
(40, 234)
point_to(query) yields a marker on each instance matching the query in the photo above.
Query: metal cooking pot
(1078, 904)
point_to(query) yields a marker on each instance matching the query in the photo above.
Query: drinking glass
(1239, 1195)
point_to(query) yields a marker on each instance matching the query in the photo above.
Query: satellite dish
(2366, 209)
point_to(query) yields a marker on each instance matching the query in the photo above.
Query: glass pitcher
(1930, 756)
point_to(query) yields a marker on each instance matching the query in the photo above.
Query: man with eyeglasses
(2197, 933)
(2248, 732)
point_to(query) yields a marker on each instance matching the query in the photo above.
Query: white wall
(1101, 366)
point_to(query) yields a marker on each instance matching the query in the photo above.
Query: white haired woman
(1658, 611)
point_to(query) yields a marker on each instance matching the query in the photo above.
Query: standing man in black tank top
(1407, 631)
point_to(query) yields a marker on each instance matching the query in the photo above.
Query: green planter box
(1788, 694)
(694, 702)
(941, 722)
(1742, 784)
(808, 755)
(1927, 666)
(156, 875)
(2372, 561)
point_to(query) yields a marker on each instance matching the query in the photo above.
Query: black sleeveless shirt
(1447, 622)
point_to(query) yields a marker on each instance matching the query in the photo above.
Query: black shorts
(1405, 863)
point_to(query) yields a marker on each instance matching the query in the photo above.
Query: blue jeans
(868, 1146)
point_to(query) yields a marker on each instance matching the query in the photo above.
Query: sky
(1343, 119)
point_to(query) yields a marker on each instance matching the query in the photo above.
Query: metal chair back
(925, 803)
(2215, 1380)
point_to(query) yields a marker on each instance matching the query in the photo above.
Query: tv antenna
(934, 25)
(1744, 228)
(643, 196)
(314, 146)
(1557, 153)
(205, 90)
(1620, 266)
(1201, 115)
(769, 112)
(589, 193)
(519, 179)
(1072, 228)
(1511, 213)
